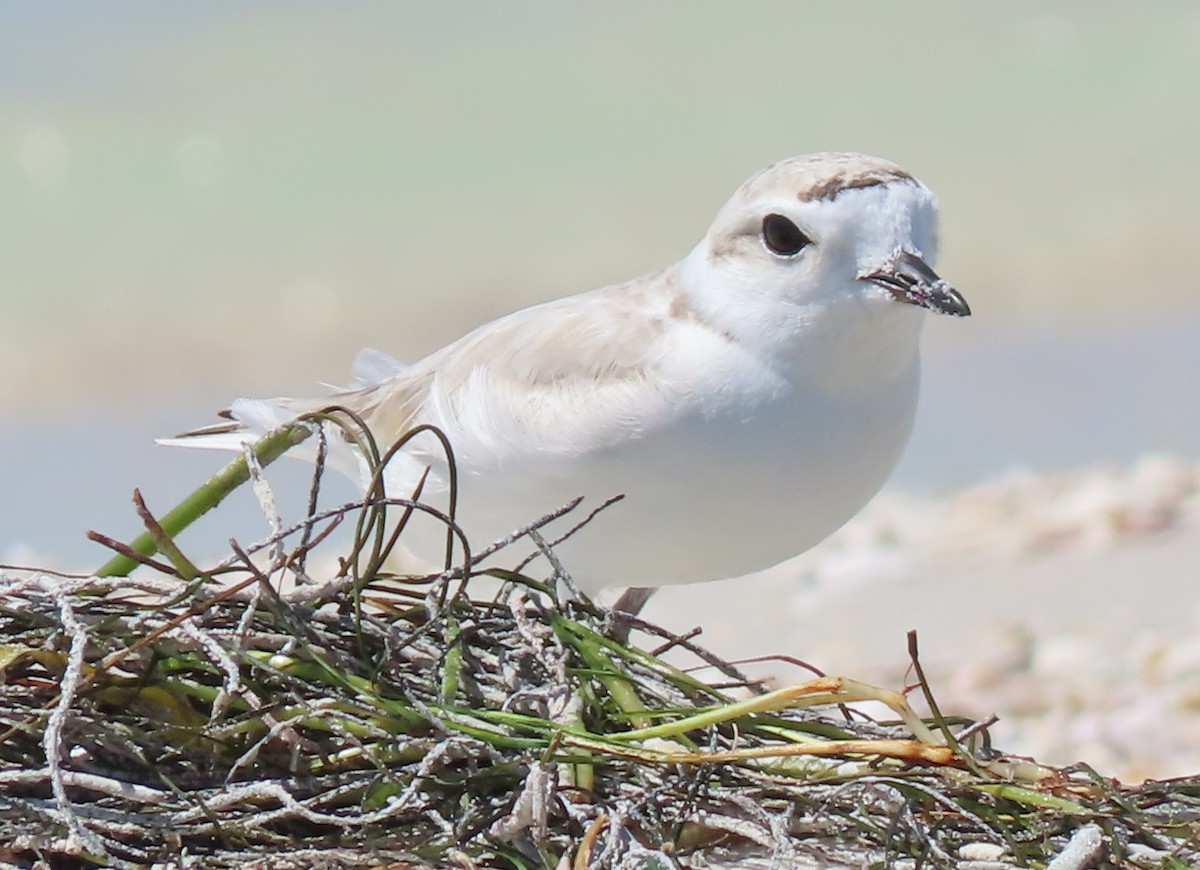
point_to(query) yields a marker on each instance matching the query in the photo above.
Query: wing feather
(571, 374)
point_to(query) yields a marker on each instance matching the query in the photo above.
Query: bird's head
(841, 231)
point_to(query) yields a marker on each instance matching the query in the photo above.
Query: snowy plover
(746, 401)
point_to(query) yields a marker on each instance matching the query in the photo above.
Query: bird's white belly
(709, 499)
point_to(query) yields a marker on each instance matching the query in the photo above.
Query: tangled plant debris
(263, 713)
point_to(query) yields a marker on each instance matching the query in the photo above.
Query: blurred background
(208, 200)
(199, 201)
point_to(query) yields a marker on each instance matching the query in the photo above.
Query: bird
(742, 403)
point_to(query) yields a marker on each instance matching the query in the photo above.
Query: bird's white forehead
(822, 176)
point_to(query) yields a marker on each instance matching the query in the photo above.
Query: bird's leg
(632, 600)
(627, 606)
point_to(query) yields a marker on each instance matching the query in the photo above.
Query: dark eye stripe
(783, 237)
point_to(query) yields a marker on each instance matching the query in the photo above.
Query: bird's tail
(247, 420)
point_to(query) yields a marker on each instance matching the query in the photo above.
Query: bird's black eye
(783, 237)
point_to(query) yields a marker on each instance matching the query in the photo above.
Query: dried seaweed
(264, 713)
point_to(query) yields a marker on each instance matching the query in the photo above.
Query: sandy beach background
(198, 202)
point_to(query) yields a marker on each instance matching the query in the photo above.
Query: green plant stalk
(682, 680)
(793, 697)
(1030, 797)
(453, 663)
(619, 687)
(267, 449)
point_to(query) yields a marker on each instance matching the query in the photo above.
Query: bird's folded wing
(574, 374)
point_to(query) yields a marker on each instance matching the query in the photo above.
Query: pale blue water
(1057, 401)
